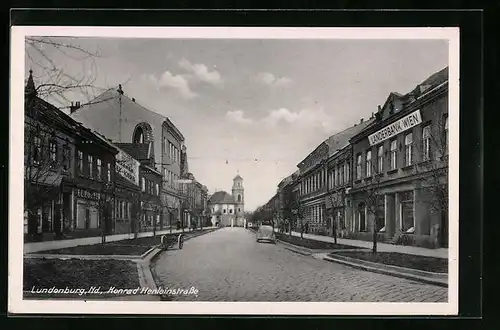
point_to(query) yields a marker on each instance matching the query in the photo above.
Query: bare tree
(433, 167)
(103, 202)
(373, 201)
(45, 55)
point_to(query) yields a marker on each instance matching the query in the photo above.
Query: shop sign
(403, 124)
(127, 167)
(94, 195)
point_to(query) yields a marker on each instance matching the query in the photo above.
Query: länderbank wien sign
(403, 124)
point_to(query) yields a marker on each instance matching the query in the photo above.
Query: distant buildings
(387, 174)
(226, 209)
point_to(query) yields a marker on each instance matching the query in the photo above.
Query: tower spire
(30, 85)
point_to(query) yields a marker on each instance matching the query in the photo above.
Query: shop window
(394, 151)
(369, 163)
(408, 149)
(407, 216)
(380, 159)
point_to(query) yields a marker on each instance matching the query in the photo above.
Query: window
(239, 209)
(99, 169)
(91, 165)
(394, 147)
(66, 157)
(358, 166)
(341, 172)
(53, 150)
(224, 211)
(143, 184)
(369, 163)
(79, 160)
(407, 219)
(380, 159)
(108, 169)
(446, 137)
(348, 171)
(164, 145)
(231, 211)
(37, 150)
(426, 143)
(157, 189)
(408, 149)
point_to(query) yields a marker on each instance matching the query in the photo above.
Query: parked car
(266, 233)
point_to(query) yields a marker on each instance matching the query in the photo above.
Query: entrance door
(87, 218)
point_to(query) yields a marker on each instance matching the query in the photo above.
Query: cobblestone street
(229, 265)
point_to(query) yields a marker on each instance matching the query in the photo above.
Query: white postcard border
(16, 138)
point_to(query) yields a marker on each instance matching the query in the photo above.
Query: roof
(340, 140)
(139, 151)
(237, 177)
(110, 97)
(221, 197)
(120, 180)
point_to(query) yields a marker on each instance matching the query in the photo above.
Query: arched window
(239, 198)
(138, 135)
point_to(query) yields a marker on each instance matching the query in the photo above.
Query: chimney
(361, 120)
(120, 90)
(379, 108)
(74, 107)
(133, 99)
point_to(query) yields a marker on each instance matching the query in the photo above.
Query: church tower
(239, 200)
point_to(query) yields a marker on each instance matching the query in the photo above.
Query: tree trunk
(374, 248)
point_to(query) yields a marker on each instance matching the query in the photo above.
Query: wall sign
(403, 124)
(87, 194)
(127, 167)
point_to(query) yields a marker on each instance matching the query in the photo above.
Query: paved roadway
(229, 265)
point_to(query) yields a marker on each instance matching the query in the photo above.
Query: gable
(392, 105)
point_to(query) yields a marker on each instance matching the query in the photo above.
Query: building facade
(401, 171)
(69, 173)
(122, 120)
(323, 177)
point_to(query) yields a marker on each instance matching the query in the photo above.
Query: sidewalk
(381, 247)
(52, 245)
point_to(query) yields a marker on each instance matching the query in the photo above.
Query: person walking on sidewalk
(307, 227)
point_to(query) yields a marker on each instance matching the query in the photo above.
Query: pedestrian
(307, 227)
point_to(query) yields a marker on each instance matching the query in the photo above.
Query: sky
(253, 107)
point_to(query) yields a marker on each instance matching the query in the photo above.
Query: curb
(154, 257)
(85, 256)
(295, 248)
(402, 272)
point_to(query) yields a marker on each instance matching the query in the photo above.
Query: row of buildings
(109, 166)
(386, 175)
